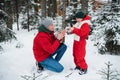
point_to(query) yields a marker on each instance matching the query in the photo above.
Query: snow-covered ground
(17, 62)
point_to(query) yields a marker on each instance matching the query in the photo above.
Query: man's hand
(61, 35)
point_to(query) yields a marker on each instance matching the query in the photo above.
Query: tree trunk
(67, 4)
(49, 10)
(43, 7)
(54, 10)
(17, 14)
(64, 16)
(64, 13)
(28, 15)
(8, 10)
(84, 6)
(36, 7)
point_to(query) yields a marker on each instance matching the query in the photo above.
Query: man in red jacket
(46, 45)
(81, 30)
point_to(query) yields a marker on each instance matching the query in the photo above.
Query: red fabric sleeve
(83, 31)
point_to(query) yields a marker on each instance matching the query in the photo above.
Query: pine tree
(106, 29)
(30, 17)
(109, 74)
(5, 32)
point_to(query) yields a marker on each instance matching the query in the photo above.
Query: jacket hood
(87, 17)
(42, 28)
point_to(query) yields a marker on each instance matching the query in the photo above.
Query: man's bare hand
(61, 34)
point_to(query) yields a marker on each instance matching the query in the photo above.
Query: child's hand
(70, 30)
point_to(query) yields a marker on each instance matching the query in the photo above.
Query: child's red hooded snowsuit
(81, 32)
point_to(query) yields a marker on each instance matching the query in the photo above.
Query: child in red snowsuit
(81, 31)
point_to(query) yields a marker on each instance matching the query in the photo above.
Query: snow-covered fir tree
(106, 24)
(5, 32)
(108, 73)
(29, 14)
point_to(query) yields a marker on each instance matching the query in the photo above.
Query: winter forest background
(27, 15)
(105, 18)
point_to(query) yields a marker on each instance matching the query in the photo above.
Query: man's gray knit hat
(46, 22)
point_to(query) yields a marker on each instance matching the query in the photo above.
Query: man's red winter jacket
(44, 45)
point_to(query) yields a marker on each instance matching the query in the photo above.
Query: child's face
(79, 19)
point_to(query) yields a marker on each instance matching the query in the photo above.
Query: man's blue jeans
(52, 62)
